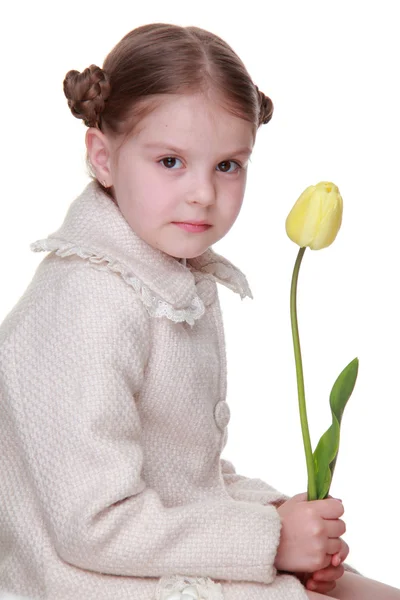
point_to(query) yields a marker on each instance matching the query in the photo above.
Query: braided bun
(266, 108)
(87, 93)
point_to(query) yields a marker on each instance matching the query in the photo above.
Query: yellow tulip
(314, 222)
(316, 217)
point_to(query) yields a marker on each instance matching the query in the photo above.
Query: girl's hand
(310, 534)
(323, 581)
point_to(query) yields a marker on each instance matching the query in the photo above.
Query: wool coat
(113, 418)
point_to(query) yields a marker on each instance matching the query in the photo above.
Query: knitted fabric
(113, 418)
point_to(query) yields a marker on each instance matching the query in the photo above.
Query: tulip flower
(314, 222)
(315, 219)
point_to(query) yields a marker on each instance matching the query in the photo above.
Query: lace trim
(180, 587)
(156, 306)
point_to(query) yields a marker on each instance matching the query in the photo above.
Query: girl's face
(186, 161)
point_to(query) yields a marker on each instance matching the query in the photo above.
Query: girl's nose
(202, 191)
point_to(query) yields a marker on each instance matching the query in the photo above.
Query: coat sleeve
(249, 490)
(256, 490)
(80, 361)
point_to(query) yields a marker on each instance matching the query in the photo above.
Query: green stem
(312, 490)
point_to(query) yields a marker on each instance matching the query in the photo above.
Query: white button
(222, 414)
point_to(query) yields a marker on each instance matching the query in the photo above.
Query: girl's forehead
(193, 117)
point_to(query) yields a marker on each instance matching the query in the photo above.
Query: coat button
(222, 414)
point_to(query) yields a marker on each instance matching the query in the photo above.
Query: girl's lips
(192, 227)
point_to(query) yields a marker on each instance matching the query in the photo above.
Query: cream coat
(113, 417)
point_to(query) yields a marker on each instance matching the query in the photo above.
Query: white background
(332, 71)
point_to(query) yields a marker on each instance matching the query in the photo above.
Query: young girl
(113, 412)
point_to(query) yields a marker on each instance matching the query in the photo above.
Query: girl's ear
(99, 152)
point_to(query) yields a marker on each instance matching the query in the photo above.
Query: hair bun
(266, 108)
(87, 93)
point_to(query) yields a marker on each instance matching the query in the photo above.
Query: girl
(113, 411)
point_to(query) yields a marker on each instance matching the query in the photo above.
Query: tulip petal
(325, 454)
(329, 225)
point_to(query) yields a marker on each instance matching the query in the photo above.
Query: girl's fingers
(340, 556)
(328, 574)
(334, 527)
(334, 546)
(344, 551)
(336, 560)
(322, 587)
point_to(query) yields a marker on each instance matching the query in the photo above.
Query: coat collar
(95, 229)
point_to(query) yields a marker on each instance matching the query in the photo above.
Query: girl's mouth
(192, 227)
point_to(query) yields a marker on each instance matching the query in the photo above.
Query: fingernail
(339, 499)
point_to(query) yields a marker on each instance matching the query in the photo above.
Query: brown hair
(158, 59)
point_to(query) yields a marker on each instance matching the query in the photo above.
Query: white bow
(181, 587)
(189, 593)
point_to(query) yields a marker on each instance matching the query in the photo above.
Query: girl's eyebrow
(170, 148)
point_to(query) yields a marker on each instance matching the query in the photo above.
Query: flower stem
(312, 490)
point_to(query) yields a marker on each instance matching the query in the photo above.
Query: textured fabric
(113, 417)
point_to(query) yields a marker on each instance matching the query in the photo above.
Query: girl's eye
(170, 162)
(225, 166)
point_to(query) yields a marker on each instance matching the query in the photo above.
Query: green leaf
(326, 452)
